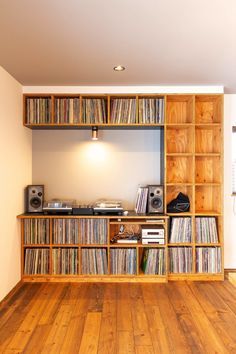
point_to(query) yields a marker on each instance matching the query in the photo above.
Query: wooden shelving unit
(79, 274)
(81, 111)
(194, 155)
(191, 127)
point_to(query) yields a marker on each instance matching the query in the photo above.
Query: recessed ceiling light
(119, 68)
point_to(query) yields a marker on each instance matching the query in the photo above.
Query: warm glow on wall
(96, 152)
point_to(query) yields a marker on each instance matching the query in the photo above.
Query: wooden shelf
(181, 214)
(180, 244)
(180, 154)
(150, 245)
(208, 244)
(193, 164)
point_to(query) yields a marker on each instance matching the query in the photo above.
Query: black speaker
(34, 198)
(155, 199)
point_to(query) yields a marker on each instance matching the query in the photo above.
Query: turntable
(58, 206)
(108, 207)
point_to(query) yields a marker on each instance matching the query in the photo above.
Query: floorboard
(68, 318)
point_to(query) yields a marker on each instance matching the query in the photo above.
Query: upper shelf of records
(75, 111)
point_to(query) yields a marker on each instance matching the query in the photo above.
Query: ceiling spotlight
(94, 133)
(119, 68)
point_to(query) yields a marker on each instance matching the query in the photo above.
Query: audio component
(34, 198)
(82, 210)
(155, 199)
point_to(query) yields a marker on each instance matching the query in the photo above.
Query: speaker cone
(35, 202)
(156, 203)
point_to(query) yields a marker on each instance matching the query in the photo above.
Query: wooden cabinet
(191, 129)
(83, 249)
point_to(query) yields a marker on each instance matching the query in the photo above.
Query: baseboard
(230, 275)
(230, 270)
(5, 300)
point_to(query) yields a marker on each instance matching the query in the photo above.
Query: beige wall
(229, 201)
(16, 171)
(71, 165)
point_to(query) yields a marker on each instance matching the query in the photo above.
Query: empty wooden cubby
(179, 109)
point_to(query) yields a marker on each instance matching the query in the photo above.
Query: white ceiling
(160, 42)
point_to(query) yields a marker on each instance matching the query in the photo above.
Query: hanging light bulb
(94, 133)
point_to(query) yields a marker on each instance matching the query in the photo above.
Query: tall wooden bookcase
(191, 127)
(194, 165)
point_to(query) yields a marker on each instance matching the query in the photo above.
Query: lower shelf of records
(122, 261)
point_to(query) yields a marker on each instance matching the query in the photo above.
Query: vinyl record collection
(38, 110)
(123, 260)
(206, 230)
(153, 261)
(65, 261)
(180, 259)
(94, 261)
(180, 230)
(36, 231)
(94, 231)
(36, 261)
(65, 231)
(94, 111)
(208, 260)
(141, 200)
(151, 110)
(123, 110)
(67, 110)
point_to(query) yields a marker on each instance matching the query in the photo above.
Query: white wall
(71, 165)
(229, 201)
(16, 171)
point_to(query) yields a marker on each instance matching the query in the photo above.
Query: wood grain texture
(179, 139)
(179, 169)
(178, 317)
(179, 109)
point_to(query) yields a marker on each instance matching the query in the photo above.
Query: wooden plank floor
(178, 317)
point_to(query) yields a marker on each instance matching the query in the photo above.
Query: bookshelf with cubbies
(80, 111)
(194, 167)
(191, 126)
(82, 249)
